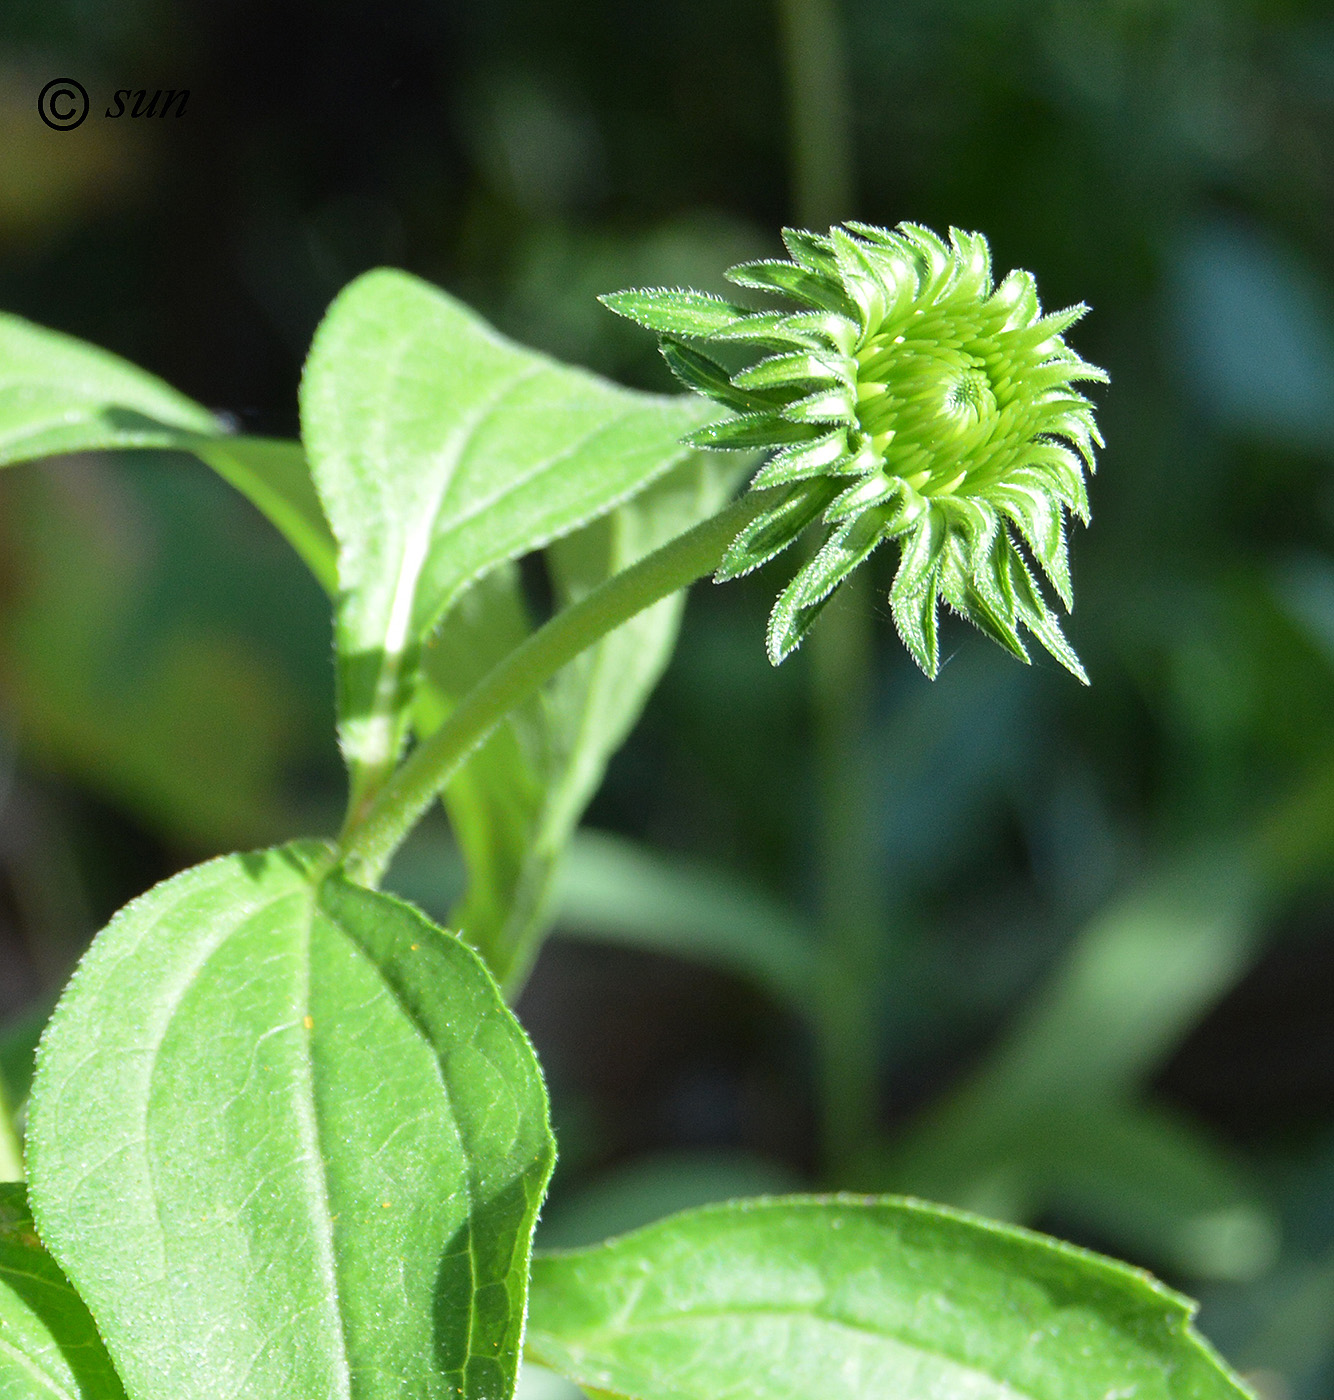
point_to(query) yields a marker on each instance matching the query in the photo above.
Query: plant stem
(842, 652)
(368, 845)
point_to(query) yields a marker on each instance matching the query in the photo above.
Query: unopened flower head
(910, 399)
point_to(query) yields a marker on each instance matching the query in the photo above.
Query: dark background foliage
(165, 669)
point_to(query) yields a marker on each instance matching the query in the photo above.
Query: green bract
(908, 399)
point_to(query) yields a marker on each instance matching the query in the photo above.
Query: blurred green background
(1096, 957)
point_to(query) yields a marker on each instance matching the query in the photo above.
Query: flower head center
(968, 399)
(923, 405)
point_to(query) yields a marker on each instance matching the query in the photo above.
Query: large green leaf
(440, 450)
(49, 1347)
(60, 395)
(789, 1298)
(287, 1141)
(516, 802)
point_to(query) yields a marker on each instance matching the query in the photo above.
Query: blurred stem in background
(841, 647)
(11, 1148)
(819, 112)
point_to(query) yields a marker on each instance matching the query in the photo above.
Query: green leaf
(785, 1299)
(917, 618)
(516, 802)
(785, 330)
(750, 431)
(789, 371)
(1039, 618)
(827, 454)
(983, 594)
(823, 406)
(1027, 502)
(60, 395)
(802, 601)
(440, 450)
(812, 250)
(286, 1140)
(494, 798)
(49, 1347)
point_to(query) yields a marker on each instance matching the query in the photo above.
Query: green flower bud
(909, 399)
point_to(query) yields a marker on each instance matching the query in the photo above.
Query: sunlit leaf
(286, 1140)
(674, 311)
(49, 1347)
(440, 450)
(850, 1297)
(60, 395)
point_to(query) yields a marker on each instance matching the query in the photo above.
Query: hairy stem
(368, 844)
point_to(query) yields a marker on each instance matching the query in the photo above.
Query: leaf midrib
(190, 975)
(549, 463)
(309, 1130)
(604, 1336)
(379, 729)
